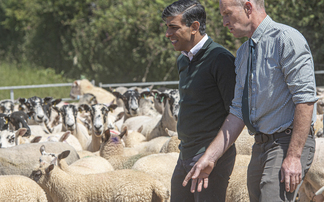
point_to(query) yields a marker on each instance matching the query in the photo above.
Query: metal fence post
(12, 96)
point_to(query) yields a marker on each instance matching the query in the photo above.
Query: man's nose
(168, 33)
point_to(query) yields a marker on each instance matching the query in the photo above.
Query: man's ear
(195, 27)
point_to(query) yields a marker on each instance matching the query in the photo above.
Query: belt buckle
(263, 138)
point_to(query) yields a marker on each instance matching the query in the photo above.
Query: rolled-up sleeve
(297, 66)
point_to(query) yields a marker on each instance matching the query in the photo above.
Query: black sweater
(206, 89)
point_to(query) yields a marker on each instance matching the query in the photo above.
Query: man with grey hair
(275, 96)
(206, 87)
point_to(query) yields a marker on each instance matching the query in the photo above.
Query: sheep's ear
(65, 136)
(22, 100)
(111, 107)
(57, 101)
(42, 149)
(125, 131)
(85, 107)
(117, 94)
(119, 116)
(140, 129)
(49, 168)
(36, 139)
(64, 154)
(146, 93)
(47, 100)
(20, 132)
(106, 136)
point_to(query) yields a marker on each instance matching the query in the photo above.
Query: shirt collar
(196, 48)
(261, 29)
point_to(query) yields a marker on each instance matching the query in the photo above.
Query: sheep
(237, 187)
(4, 121)
(69, 122)
(21, 159)
(20, 188)
(313, 180)
(244, 143)
(133, 138)
(155, 127)
(88, 98)
(136, 104)
(18, 119)
(81, 87)
(160, 166)
(112, 150)
(9, 138)
(172, 145)
(84, 166)
(121, 185)
(6, 106)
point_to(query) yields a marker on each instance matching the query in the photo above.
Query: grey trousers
(217, 180)
(264, 169)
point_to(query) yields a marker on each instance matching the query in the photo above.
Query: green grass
(19, 75)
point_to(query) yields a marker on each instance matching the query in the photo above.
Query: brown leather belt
(261, 138)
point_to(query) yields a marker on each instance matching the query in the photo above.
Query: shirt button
(253, 89)
(253, 108)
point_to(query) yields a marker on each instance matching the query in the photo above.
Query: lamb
(133, 138)
(313, 180)
(120, 185)
(81, 87)
(244, 143)
(9, 138)
(237, 187)
(172, 145)
(112, 150)
(21, 159)
(20, 188)
(84, 166)
(160, 166)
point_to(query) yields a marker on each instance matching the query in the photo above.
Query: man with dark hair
(206, 86)
(275, 95)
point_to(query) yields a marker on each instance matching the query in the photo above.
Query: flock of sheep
(117, 145)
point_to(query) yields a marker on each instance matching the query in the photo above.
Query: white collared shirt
(196, 48)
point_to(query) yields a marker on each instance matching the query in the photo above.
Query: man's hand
(291, 173)
(199, 173)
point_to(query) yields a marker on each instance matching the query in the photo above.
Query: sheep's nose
(40, 117)
(0, 145)
(97, 127)
(70, 125)
(176, 117)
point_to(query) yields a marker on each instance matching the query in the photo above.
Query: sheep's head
(34, 107)
(9, 138)
(69, 116)
(6, 106)
(99, 117)
(131, 101)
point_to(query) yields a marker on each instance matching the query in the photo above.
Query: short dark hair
(191, 11)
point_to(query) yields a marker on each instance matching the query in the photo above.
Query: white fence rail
(12, 88)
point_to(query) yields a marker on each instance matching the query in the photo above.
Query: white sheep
(237, 187)
(160, 166)
(313, 180)
(172, 145)
(84, 166)
(112, 149)
(121, 185)
(81, 87)
(20, 188)
(21, 159)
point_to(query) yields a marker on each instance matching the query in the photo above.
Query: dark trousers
(264, 169)
(217, 180)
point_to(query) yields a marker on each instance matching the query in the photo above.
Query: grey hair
(258, 3)
(191, 10)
